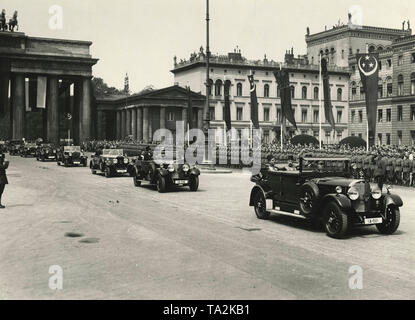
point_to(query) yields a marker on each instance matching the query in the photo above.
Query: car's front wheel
(260, 206)
(336, 221)
(137, 182)
(107, 172)
(161, 184)
(391, 224)
(194, 183)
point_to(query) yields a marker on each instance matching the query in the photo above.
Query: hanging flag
(328, 107)
(41, 92)
(227, 110)
(283, 79)
(254, 102)
(189, 108)
(369, 72)
(32, 93)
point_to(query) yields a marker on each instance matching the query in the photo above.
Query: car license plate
(121, 171)
(181, 181)
(76, 162)
(51, 157)
(373, 220)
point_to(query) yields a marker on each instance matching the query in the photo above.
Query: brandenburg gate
(37, 76)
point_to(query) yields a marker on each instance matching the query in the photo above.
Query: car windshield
(72, 149)
(112, 152)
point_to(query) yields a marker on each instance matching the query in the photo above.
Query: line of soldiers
(399, 170)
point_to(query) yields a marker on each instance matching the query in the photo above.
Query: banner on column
(27, 94)
(41, 92)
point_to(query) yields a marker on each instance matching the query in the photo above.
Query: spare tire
(309, 195)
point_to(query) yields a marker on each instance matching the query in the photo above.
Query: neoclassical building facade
(304, 79)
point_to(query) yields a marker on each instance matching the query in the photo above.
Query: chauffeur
(4, 164)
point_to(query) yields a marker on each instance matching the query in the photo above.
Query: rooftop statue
(13, 23)
(3, 24)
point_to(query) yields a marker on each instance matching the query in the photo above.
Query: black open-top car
(71, 156)
(322, 189)
(165, 176)
(46, 152)
(111, 162)
(28, 150)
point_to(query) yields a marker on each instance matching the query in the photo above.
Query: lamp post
(206, 119)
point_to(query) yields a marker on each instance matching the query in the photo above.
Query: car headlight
(339, 189)
(376, 194)
(353, 193)
(109, 161)
(186, 167)
(170, 168)
(125, 160)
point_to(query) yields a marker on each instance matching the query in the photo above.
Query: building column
(101, 125)
(162, 117)
(200, 118)
(86, 111)
(122, 124)
(134, 123)
(18, 108)
(145, 124)
(139, 124)
(150, 126)
(77, 105)
(128, 120)
(184, 118)
(52, 112)
(118, 125)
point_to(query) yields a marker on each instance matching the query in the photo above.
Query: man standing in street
(4, 164)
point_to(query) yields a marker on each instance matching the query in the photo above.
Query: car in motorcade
(13, 146)
(165, 175)
(28, 150)
(3, 147)
(46, 152)
(111, 162)
(71, 156)
(322, 190)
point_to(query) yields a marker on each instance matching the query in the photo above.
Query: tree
(101, 89)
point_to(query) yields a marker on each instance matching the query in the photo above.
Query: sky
(141, 37)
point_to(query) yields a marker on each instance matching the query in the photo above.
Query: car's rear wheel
(336, 221)
(194, 183)
(391, 224)
(260, 206)
(161, 184)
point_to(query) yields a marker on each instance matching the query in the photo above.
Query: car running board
(285, 213)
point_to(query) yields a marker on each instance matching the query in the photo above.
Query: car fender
(392, 199)
(195, 171)
(340, 199)
(163, 172)
(267, 192)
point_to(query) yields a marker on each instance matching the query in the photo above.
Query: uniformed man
(4, 164)
(390, 174)
(398, 170)
(406, 168)
(380, 171)
(366, 166)
(413, 173)
(359, 164)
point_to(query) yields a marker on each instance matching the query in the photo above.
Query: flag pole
(319, 98)
(367, 116)
(282, 119)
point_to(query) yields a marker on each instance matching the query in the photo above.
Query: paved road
(138, 244)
